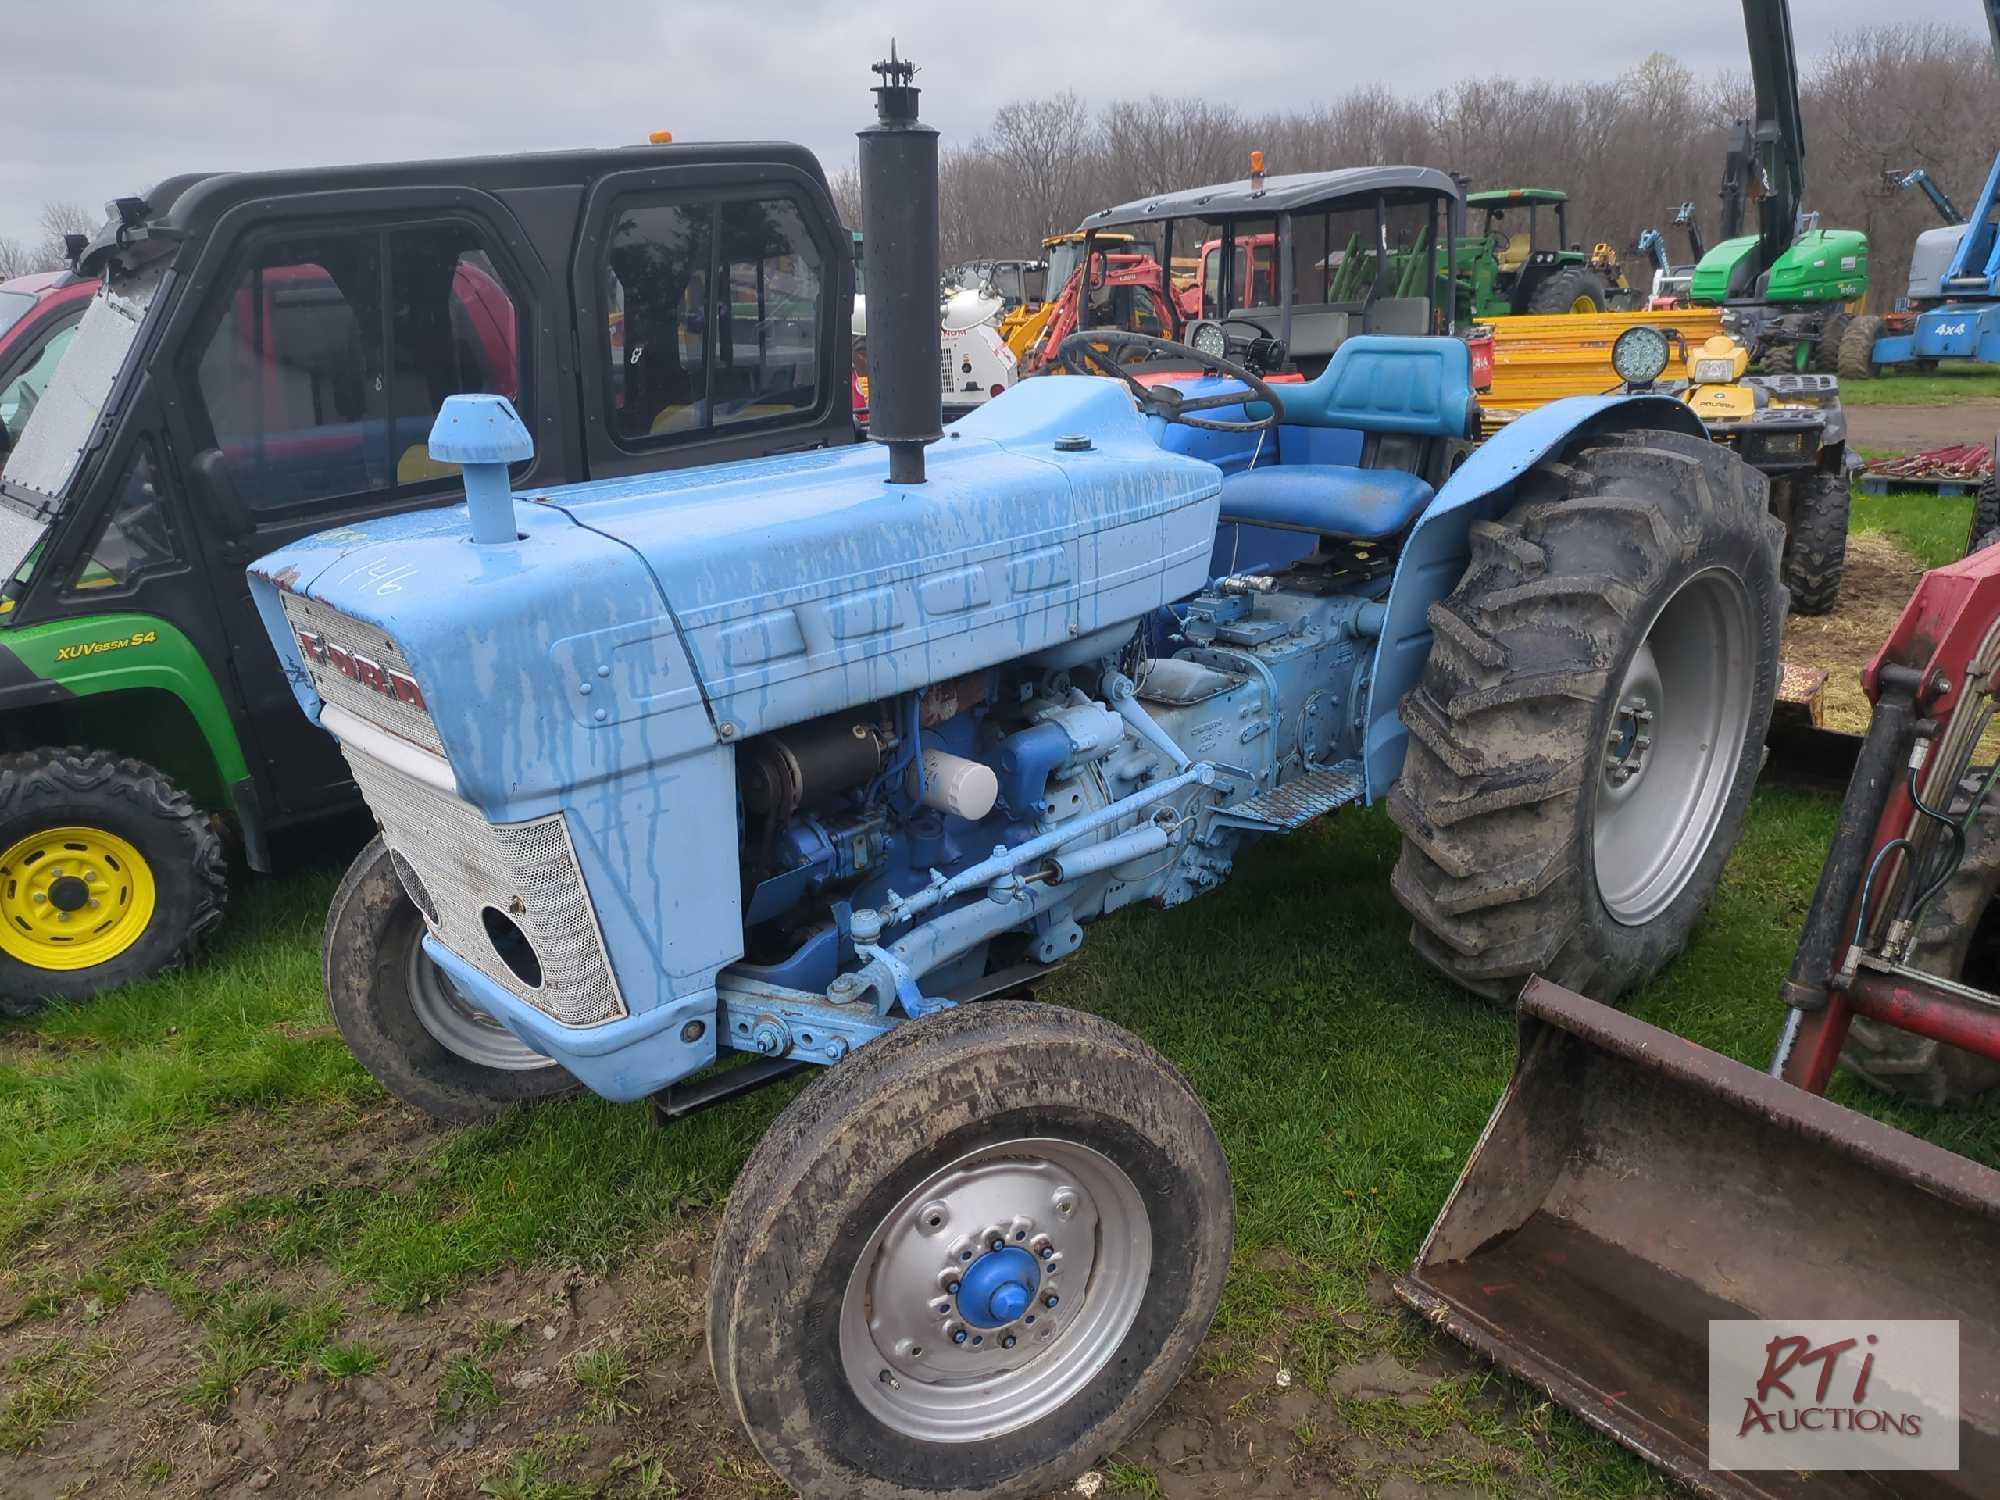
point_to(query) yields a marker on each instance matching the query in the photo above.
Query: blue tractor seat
(1331, 499)
(1375, 383)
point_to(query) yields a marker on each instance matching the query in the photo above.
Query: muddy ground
(1911, 429)
(493, 1392)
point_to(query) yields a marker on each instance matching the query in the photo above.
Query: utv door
(310, 362)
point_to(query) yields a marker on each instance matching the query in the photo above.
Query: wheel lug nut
(997, 1243)
(1048, 1252)
(951, 1288)
(1051, 1300)
(1007, 1342)
(958, 1337)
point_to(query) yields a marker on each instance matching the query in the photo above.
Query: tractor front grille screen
(507, 898)
(352, 640)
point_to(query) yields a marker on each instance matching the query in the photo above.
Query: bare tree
(16, 259)
(60, 219)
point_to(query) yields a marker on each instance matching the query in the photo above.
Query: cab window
(713, 313)
(332, 352)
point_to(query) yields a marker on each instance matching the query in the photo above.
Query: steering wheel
(1081, 356)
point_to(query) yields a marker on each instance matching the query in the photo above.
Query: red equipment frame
(1936, 662)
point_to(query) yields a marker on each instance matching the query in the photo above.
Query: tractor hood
(638, 619)
(1825, 265)
(1716, 271)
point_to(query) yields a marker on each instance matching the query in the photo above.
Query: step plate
(1301, 799)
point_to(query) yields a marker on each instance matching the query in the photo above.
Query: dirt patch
(1880, 577)
(531, 1380)
(1914, 429)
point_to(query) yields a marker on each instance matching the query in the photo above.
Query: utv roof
(1287, 194)
(1500, 197)
(191, 203)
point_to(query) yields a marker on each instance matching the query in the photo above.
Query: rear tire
(1632, 593)
(1573, 289)
(1816, 544)
(128, 845)
(833, 1304)
(1958, 938)
(1857, 348)
(1985, 517)
(404, 1021)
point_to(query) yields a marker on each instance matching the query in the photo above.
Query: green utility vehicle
(1510, 270)
(263, 360)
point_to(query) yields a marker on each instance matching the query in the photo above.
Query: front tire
(1985, 517)
(1816, 542)
(108, 873)
(1957, 938)
(1585, 737)
(1826, 349)
(1573, 289)
(970, 1258)
(404, 1020)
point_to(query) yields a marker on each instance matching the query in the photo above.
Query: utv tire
(838, 1330)
(142, 864)
(1549, 826)
(1781, 358)
(405, 1022)
(1816, 544)
(1985, 517)
(1857, 348)
(1567, 290)
(1958, 937)
(1826, 349)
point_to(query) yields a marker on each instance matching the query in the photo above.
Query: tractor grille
(525, 873)
(408, 721)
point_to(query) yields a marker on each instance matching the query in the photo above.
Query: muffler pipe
(899, 219)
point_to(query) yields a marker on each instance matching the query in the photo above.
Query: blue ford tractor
(790, 762)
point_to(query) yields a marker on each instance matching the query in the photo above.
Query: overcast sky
(105, 99)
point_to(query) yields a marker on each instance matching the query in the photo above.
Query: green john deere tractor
(1510, 270)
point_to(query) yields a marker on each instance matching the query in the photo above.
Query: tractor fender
(1438, 548)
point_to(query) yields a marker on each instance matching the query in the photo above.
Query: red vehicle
(1128, 290)
(38, 316)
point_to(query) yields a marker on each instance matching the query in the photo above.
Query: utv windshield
(52, 445)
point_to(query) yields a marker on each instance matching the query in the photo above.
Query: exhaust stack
(899, 217)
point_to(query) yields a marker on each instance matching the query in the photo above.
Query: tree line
(1886, 98)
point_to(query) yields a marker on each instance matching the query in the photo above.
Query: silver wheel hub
(459, 1026)
(1673, 745)
(996, 1290)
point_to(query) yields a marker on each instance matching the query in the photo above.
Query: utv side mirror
(215, 492)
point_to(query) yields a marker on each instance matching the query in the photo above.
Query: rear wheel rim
(996, 1290)
(1585, 303)
(459, 1026)
(73, 897)
(1672, 747)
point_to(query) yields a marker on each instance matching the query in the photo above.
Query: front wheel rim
(996, 1290)
(73, 898)
(1672, 746)
(459, 1026)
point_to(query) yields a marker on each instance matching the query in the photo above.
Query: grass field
(204, 1144)
(1923, 388)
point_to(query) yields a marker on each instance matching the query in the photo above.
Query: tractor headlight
(1714, 371)
(1640, 355)
(1208, 339)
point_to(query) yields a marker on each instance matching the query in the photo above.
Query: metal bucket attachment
(1631, 1186)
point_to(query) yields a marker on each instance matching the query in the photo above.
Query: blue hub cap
(998, 1287)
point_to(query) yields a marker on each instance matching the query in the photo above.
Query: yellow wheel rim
(1583, 304)
(72, 898)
